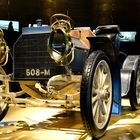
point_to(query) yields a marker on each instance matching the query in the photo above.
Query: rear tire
(96, 94)
(134, 93)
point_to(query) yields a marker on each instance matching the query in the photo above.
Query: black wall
(125, 13)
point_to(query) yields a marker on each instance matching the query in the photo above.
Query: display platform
(39, 123)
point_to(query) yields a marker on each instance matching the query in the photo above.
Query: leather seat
(107, 29)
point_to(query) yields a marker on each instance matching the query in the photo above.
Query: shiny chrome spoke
(95, 109)
(99, 109)
(100, 116)
(96, 82)
(94, 99)
(103, 78)
(96, 114)
(104, 108)
(100, 75)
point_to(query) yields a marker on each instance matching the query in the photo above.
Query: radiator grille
(31, 59)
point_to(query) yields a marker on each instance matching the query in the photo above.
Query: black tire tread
(83, 97)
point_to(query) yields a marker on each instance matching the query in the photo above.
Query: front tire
(96, 95)
(4, 87)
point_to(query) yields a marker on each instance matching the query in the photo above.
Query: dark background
(125, 13)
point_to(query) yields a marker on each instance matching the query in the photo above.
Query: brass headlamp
(4, 49)
(60, 45)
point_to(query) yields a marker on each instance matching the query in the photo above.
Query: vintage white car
(71, 68)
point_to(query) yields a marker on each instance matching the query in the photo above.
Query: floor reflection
(36, 123)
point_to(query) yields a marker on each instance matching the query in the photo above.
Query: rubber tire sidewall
(132, 91)
(85, 94)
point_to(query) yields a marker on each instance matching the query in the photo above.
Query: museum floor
(38, 123)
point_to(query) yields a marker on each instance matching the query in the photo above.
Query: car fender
(129, 67)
